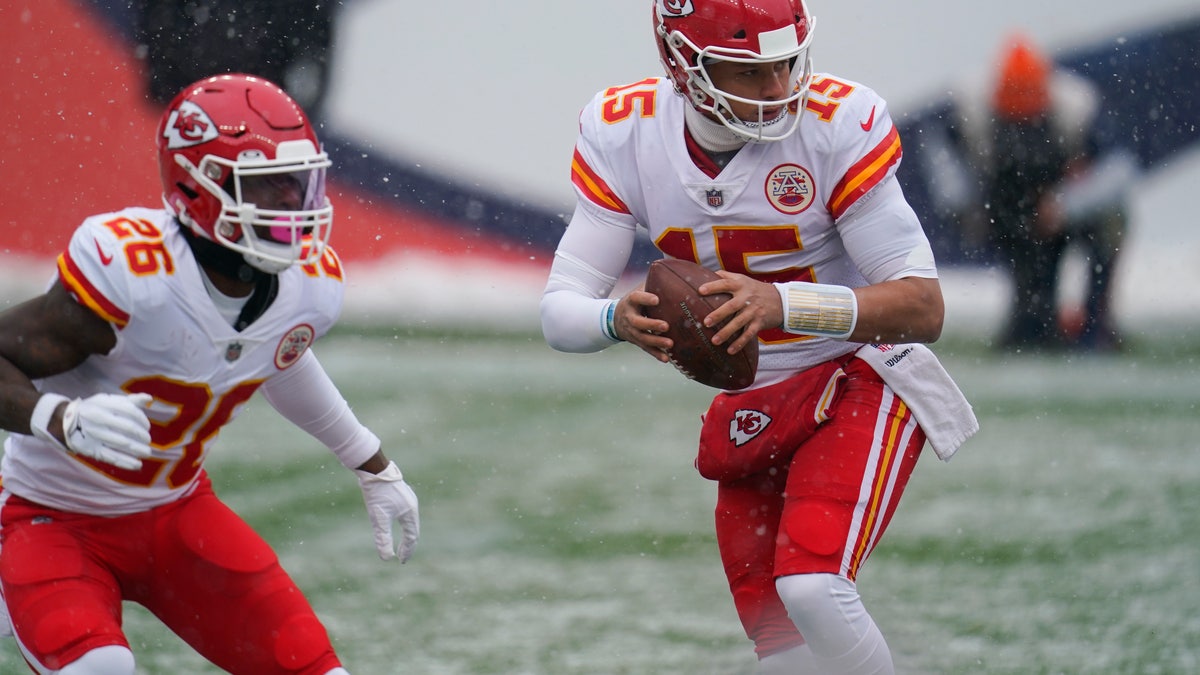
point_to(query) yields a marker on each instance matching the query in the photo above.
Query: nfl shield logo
(233, 351)
(715, 198)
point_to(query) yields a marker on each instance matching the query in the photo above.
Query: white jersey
(791, 210)
(134, 269)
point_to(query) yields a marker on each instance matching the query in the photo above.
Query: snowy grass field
(565, 531)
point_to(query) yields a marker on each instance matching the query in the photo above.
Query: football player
(783, 181)
(157, 329)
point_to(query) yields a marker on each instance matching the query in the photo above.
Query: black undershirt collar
(226, 262)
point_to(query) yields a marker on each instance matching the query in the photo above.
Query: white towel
(916, 375)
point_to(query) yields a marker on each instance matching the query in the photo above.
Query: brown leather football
(680, 304)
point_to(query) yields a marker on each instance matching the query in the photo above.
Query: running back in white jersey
(777, 211)
(134, 269)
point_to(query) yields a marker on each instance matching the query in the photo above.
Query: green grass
(565, 530)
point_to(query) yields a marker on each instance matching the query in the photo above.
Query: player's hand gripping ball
(676, 283)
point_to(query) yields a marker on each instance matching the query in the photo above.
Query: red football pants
(194, 564)
(809, 472)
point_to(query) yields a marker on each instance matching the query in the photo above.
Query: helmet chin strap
(223, 261)
(269, 265)
(720, 126)
(754, 132)
(212, 256)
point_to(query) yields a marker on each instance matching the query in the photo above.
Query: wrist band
(39, 421)
(822, 310)
(610, 328)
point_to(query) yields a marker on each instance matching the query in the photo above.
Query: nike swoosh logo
(866, 126)
(105, 258)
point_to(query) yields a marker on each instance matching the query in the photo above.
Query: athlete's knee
(828, 612)
(108, 660)
(804, 589)
(290, 630)
(301, 642)
(813, 600)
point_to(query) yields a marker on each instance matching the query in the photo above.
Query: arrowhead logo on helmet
(675, 7)
(188, 125)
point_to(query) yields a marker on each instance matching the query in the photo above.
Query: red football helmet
(693, 33)
(222, 133)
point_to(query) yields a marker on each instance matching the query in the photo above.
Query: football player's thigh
(845, 482)
(62, 602)
(747, 515)
(222, 590)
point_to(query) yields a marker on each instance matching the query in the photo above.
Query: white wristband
(39, 421)
(822, 310)
(609, 326)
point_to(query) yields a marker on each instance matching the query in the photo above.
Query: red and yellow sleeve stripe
(865, 174)
(77, 284)
(593, 187)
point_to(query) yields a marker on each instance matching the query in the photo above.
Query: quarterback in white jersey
(771, 212)
(159, 326)
(782, 180)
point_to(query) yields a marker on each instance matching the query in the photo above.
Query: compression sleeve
(306, 396)
(589, 261)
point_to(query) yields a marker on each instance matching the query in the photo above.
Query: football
(680, 304)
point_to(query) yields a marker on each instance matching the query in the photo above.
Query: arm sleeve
(589, 261)
(883, 236)
(307, 397)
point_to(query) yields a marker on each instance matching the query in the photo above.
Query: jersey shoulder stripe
(73, 280)
(865, 174)
(593, 187)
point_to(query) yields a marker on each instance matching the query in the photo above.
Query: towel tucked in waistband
(915, 374)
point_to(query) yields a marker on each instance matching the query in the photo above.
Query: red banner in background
(78, 139)
(78, 134)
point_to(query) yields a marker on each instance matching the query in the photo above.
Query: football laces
(680, 367)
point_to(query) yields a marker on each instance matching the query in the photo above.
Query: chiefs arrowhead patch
(746, 424)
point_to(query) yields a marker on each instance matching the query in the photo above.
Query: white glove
(389, 498)
(111, 428)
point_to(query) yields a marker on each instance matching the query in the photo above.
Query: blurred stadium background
(452, 132)
(565, 530)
